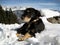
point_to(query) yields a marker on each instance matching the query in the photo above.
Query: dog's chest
(33, 25)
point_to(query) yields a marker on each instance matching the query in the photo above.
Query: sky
(38, 4)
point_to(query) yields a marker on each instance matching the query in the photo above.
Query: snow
(49, 13)
(14, 8)
(50, 36)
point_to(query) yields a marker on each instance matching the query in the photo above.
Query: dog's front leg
(26, 36)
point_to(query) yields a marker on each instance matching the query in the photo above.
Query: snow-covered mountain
(50, 36)
(49, 13)
(18, 12)
(14, 8)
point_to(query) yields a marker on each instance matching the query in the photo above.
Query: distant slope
(49, 13)
(18, 12)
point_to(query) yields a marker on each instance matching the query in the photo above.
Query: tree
(12, 17)
(2, 15)
(7, 17)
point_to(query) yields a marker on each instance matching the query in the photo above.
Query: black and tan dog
(33, 24)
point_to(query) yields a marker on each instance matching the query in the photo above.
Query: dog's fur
(33, 23)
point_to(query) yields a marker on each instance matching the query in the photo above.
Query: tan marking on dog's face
(26, 19)
(26, 36)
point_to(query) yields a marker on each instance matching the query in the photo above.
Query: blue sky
(50, 4)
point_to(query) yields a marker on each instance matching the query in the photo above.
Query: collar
(35, 20)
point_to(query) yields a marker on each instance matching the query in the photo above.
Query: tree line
(7, 17)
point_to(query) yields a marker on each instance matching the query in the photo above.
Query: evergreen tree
(2, 15)
(7, 17)
(12, 17)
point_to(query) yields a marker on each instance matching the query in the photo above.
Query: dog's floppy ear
(38, 13)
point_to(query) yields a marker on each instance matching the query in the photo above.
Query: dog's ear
(38, 13)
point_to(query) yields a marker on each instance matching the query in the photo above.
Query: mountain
(18, 12)
(49, 13)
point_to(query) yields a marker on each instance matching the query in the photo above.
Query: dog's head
(29, 14)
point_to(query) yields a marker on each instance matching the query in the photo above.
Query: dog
(33, 24)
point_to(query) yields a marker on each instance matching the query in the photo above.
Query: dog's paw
(17, 34)
(26, 36)
(19, 40)
(22, 39)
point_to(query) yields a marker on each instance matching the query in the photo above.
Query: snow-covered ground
(50, 36)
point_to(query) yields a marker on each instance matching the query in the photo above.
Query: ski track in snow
(50, 36)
